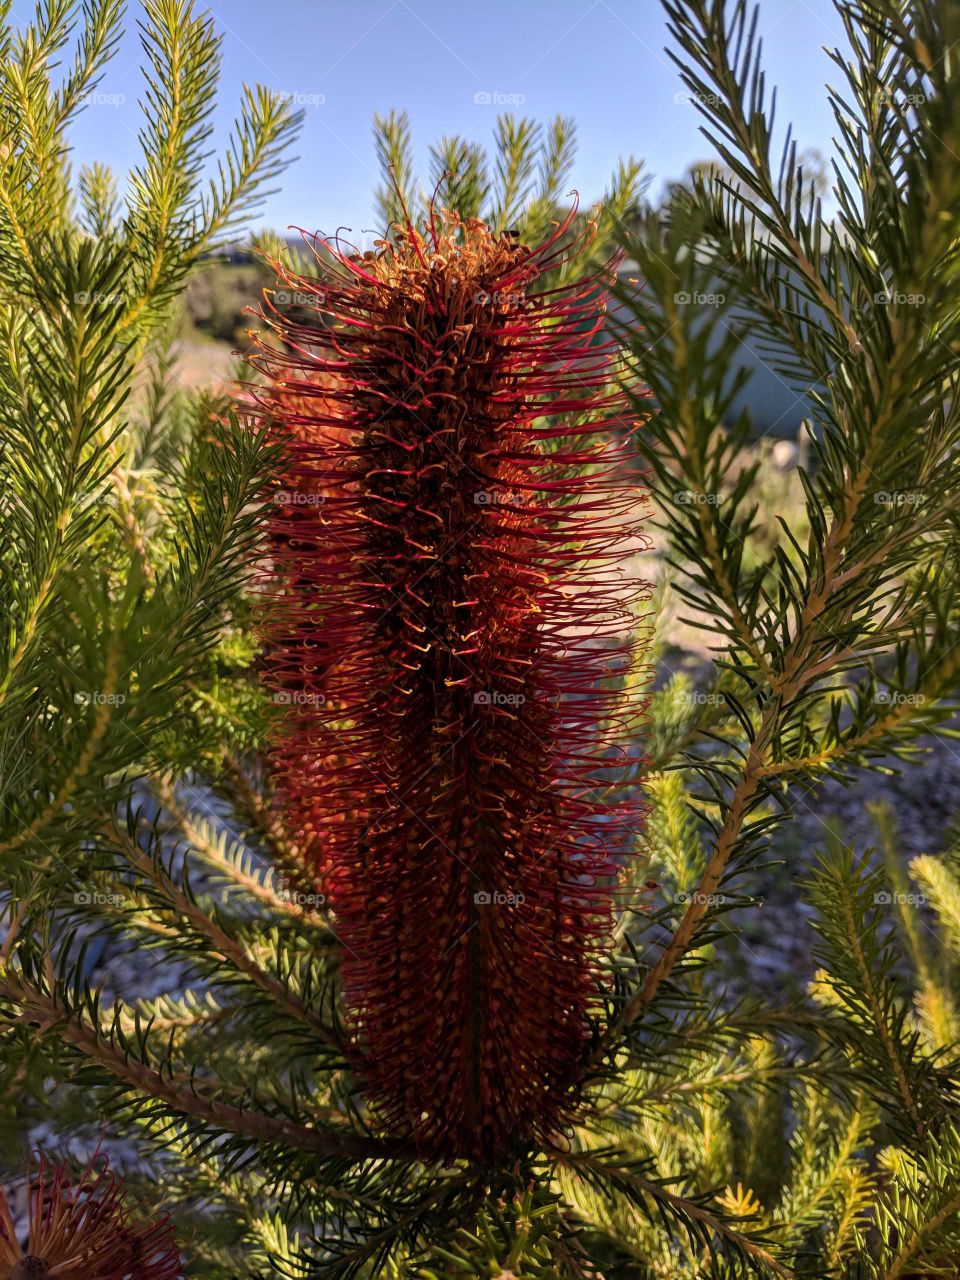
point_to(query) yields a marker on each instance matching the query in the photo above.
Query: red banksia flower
(449, 624)
(82, 1232)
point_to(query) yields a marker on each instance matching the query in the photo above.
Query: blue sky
(601, 61)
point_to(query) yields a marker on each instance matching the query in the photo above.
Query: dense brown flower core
(31, 1268)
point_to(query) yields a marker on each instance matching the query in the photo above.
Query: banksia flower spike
(82, 1232)
(449, 623)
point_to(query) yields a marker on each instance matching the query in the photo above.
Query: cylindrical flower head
(449, 622)
(82, 1232)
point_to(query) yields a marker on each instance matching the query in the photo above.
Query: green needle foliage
(117, 568)
(169, 981)
(521, 189)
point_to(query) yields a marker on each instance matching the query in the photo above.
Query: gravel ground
(774, 950)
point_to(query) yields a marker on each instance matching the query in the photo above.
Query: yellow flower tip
(742, 1203)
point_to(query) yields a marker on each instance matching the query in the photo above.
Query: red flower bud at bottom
(82, 1232)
